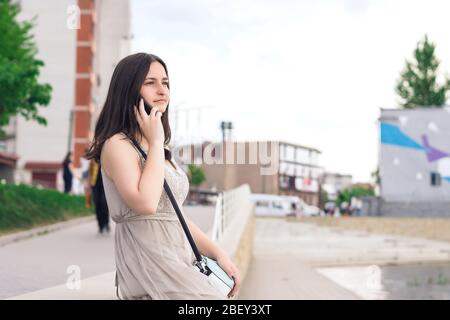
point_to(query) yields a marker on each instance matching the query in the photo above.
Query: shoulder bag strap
(177, 210)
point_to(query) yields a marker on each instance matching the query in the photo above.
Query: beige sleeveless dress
(154, 259)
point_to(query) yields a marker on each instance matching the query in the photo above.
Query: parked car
(281, 206)
(274, 205)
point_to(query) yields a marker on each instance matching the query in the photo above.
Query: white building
(80, 43)
(333, 183)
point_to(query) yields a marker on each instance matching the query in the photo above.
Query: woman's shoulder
(117, 145)
(118, 149)
(116, 140)
(120, 136)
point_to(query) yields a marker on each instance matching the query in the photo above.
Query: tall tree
(418, 84)
(20, 91)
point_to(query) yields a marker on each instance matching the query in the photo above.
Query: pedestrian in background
(68, 172)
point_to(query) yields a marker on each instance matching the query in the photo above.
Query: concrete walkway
(288, 254)
(41, 262)
(100, 287)
(37, 267)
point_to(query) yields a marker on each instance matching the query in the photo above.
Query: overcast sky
(313, 73)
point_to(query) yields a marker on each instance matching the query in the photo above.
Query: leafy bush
(23, 206)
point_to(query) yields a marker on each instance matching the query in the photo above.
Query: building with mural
(414, 159)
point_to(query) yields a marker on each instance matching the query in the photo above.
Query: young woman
(153, 257)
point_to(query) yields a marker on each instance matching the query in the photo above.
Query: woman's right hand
(150, 124)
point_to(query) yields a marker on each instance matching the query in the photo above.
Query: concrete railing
(230, 204)
(234, 224)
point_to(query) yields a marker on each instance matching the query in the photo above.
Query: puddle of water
(394, 282)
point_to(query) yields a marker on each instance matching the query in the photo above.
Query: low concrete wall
(239, 242)
(415, 209)
(370, 206)
(375, 206)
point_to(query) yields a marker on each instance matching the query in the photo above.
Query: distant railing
(229, 205)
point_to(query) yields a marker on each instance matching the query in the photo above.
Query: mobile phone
(147, 106)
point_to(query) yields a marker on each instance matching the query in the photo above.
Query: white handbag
(218, 277)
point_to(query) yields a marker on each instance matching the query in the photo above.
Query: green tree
(346, 195)
(418, 85)
(376, 176)
(196, 175)
(20, 92)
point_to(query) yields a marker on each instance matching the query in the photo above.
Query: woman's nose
(161, 88)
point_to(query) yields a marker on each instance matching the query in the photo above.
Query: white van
(281, 206)
(274, 205)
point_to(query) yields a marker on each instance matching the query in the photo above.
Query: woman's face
(155, 88)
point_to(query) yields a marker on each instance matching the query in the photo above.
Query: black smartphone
(147, 106)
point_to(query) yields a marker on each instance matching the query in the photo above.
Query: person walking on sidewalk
(154, 259)
(68, 172)
(98, 191)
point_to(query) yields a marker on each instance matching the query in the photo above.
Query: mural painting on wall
(391, 134)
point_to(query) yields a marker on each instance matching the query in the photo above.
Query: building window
(287, 182)
(284, 182)
(298, 183)
(264, 204)
(313, 158)
(290, 153)
(283, 168)
(435, 179)
(290, 170)
(302, 155)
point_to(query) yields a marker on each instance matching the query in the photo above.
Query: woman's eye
(165, 83)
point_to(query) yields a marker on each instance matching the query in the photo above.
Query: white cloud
(312, 73)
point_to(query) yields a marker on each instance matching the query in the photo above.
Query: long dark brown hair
(67, 158)
(117, 114)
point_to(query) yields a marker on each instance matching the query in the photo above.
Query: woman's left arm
(204, 244)
(213, 251)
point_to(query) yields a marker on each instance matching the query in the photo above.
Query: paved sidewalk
(99, 287)
(42, 261)
(37, 267)
(39, 231)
